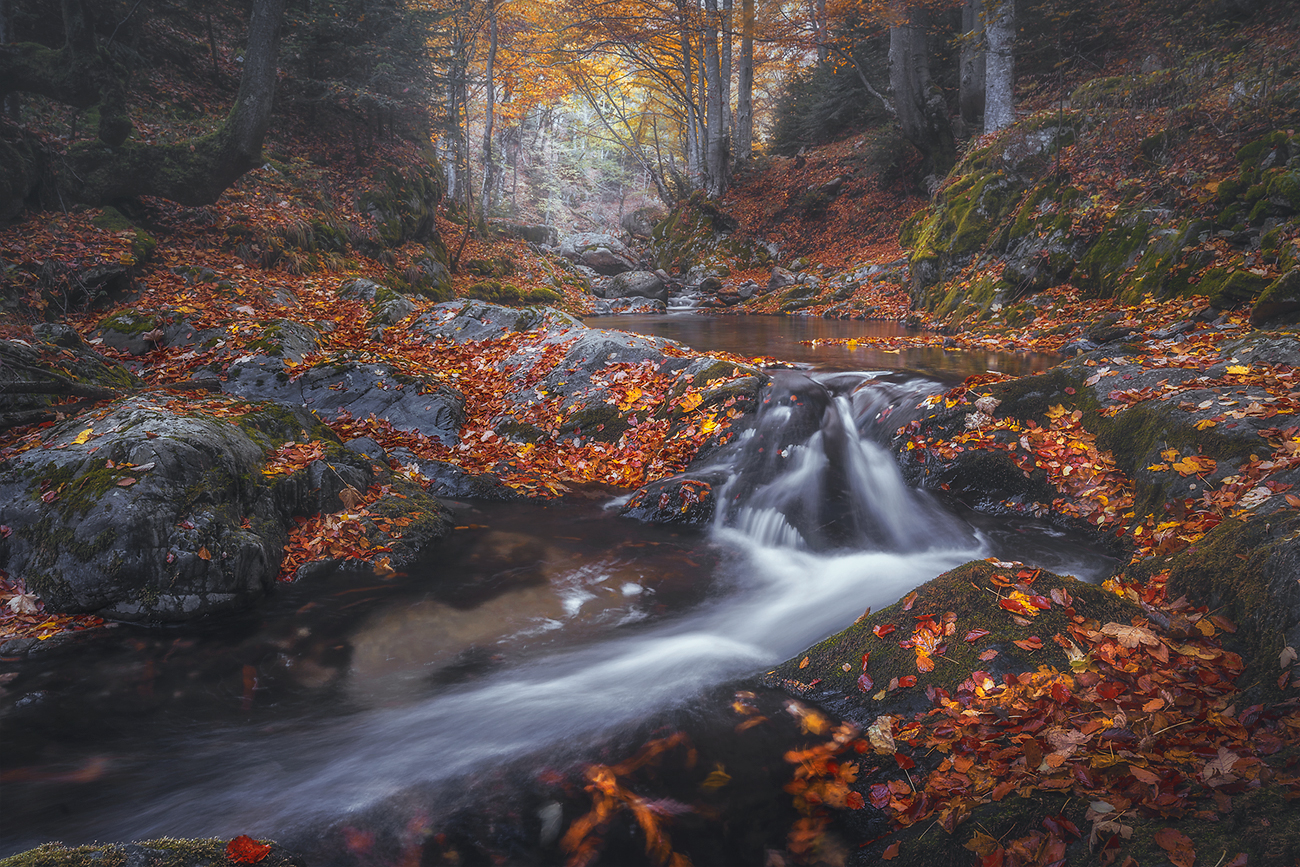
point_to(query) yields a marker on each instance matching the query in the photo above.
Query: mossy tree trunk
(191, 172)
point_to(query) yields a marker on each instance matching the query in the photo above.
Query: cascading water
(815, 524)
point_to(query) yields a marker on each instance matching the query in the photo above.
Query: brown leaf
(204, 554)
(1130, 636)
(1178, 846)
(891, 851)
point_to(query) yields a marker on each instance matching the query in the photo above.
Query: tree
(999, 107)
(918, 102)
(192, 172)
(971, 65)
(743, 137)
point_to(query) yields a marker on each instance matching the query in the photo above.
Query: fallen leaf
(1130, 636)
(204, 554)
(880, 734)
(125, 482)
(803, 663)
(883, 629)
(1177, 845)
(1287, 657)
(24, 603)
(80, 439)
(245, 850)
(891, 851)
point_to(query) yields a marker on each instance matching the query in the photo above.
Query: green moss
(1284, 191)
(1231, 287)
(601, 422)
(521, 431)
(128, 322)
(164, 852)
(110, 219)
(1113, 252)
(963, 590)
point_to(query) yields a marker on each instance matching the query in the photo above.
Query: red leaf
(909, 600)
(1178, 845)
(854, 801)
(883, 629)
(1060, 693)
(976, 634)
(245, 850)
(1033, 642)
(988, 654)
(904, 762)
(865, 683)
(907, 680)
(866, 659)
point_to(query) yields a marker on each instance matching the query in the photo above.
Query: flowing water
(535, 635)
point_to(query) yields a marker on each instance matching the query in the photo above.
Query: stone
(642, 284)
(604, 254)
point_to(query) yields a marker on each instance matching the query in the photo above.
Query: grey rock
(643, 284)
(604, 254)
(356, 388)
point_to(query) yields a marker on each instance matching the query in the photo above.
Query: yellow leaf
(691, 400)
(1205, 423)
(1238, 369)
(80, 439)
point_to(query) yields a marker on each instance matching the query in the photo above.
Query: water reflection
(780, 336)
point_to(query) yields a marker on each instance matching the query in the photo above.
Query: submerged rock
(676, 500)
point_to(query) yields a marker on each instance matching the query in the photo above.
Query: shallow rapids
(560, 623)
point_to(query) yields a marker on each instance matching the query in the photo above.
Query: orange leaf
(883, 629)
(245, 850)
(1033, 642)
(909, 600)
(204, 553)
(891, 852)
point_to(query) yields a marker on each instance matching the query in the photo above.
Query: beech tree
(917, 101)
(82, 73)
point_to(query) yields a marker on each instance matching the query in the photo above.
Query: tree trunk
(198, 171)
(489, 167)
(1000, 108)
(714, 146)
(972, 64)
(688, 81)
(919, 104)
(744, 135)
(724, 68)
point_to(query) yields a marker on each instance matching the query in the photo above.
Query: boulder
(641, 222)
(1280, 298)
(604, 254)
(676, 500)
(357, 388)
(630, 307)
(150, 513)
(781, 278)
(634, 284)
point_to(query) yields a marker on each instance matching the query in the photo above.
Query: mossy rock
(601, 422)
(1247, 572)
(966, 591)
(403, 202)
(1280, 298)
(1112, 253)
(1231, 287)
(164, 852)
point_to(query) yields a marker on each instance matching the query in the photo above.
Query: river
(539, 638)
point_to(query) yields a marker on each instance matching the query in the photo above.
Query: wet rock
(167, 852)
(643, 284)
(677, 500)
(449, 480)
(533, 233)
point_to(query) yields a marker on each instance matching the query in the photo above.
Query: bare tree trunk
(1000, 107)
(744, 136)
(919, 104)
(714, 153)
(970, 98)
(489, 167)
(724, 68)
(688, 79)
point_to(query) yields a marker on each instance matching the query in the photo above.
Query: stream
(539, 637)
